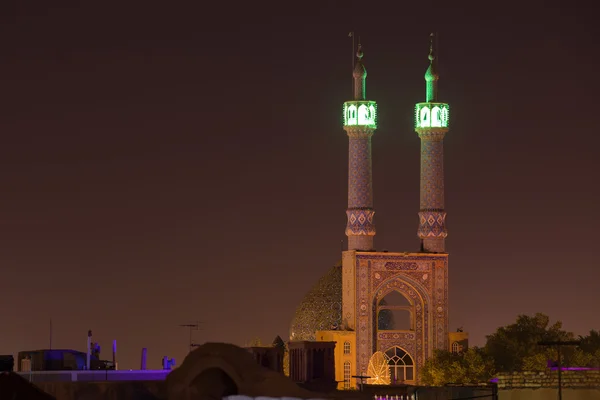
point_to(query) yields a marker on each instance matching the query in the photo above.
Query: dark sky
(165, 162)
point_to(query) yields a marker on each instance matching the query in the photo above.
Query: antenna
(351, 34)
(192, 327)
(436, 47)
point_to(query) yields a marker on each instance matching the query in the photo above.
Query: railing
(95, 375)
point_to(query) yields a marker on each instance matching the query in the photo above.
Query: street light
(558, 344)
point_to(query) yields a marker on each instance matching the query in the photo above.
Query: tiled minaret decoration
(431, 124)
(360, 122)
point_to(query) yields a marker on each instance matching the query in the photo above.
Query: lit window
(346, 347)
(425, 118)
(455, 347)
(351, 115)
(347, 374)
(402, 367)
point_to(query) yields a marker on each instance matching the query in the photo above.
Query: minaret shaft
(432, 215)
(360, 177)
(360, 228)
(432, 174)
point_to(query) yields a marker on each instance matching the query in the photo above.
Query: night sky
(166, 162)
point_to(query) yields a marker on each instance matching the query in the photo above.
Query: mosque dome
(321, 308)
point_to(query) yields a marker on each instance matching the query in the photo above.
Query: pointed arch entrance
(401, 319)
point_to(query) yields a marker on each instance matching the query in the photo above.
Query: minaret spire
(431, 124)
(431, 76)
(360, 76)
(360, 122)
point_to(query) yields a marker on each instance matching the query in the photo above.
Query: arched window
(455, 347)
(444, 117)
(351, 115)
(436, 118)
(395, 313)
(346, 347)
(347, 374)
(363, 115)
(402, 367)
(425, 122)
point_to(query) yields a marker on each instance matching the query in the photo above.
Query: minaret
(431, 124)
(360, 122)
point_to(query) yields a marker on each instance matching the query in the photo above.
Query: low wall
(94, 376)
(549, 394)
(575, 385)
(549, 379)
(141, 390)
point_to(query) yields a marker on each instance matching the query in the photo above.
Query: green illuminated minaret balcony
(432, 115)
(360, 113)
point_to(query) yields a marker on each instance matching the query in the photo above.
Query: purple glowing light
(575, 369)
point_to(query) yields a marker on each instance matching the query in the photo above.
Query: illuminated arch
(402, 365)
(351, 115)
(424, 119)
(444, 117)
(436, 120)
(363, 115)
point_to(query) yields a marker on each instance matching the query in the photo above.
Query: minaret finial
(360, 75)
(431, 76)
(431, 55)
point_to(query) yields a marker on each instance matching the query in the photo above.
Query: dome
(321, 308)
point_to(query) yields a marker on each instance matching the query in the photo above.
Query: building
(392, 302)
(458, 341)
(59, 360)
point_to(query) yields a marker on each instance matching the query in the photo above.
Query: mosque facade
(390, 302)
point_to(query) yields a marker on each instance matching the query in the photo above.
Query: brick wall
(549, 379)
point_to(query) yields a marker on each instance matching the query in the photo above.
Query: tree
(468, 367)
(279, 343)
(590, 347)
(514, 345)
(590, 343)
(570, 357)
(254, 343)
